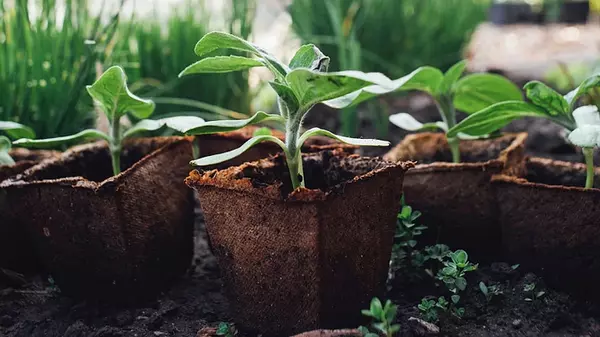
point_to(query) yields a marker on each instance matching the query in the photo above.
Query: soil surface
(34, 307)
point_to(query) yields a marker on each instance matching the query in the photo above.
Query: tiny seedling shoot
(300, 85)
(112, 96)
(450, 92)
(582, 123)
(14, 131)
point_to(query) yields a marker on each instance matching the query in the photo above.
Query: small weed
(383, 318)
(226, 329)
(532, 294)
(490, 291)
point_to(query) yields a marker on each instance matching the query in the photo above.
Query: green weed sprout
(583, 123)
(14, 131)
(383, 318)
(450, 92)
(113, 97)
(300, 85)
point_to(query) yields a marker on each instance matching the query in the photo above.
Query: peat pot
(16, 252)
(308, 259)
(550, 223)
(456, 199)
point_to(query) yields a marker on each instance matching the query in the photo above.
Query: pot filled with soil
(550, 223)
(456, 199)
(311, 258)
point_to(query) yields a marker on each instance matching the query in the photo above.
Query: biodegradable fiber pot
(457, 200)
(308, 259)
(551, 224)
(109, 237)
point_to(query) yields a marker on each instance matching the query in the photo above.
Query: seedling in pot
(450, 92)
(113, 97)
(299, 85)
(383, 319)
(583, 123)
(13, 130)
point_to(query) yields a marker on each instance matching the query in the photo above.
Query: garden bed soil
(457, 200)
(324, 248)
(36, 308)
(550, 223)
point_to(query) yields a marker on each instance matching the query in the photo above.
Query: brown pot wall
(457, 200)
(553, 229)
(311, 260)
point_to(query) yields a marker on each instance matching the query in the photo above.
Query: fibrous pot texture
(293, 261)
(550, 224)
(109, 237)
(456, 199)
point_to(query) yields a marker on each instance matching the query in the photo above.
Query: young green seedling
(383, 318)
(583, 123)
(450, 92)
(299, 85)
(113, 97)
(14, 131)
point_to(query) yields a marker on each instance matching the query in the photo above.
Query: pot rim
(522, 182)
(81, 182)
(226, 179)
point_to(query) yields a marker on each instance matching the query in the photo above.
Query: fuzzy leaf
(225, 156)
(546, 98)
(232, 125)
(451, 77)
(180, 124)
(408, 122)
(221, 64)
(287, 95)
(110, 91)
(426, 79)
(54, 142)
(214, 41)
(309, 56)
(587, 85)
(496, 117)
(5, 145)
(476, 92)
(347, 140)
(16, 130)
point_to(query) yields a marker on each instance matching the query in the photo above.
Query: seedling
(530, 289)
(226, 330)
(299, 85)
(430, 308)
(383, 318)
(454, 271)
(450, 92)
(407, 230)
(490, 291)
(13, 130)
(113, 97)
(583, 123)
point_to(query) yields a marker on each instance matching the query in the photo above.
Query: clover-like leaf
(451, 77)
(180, 124)
(409, 123)
(585, 87)
(347, 140)
(309, 56)
(225, 156)
(221, 64)
(587, 133)
(476, 92)
(5, 145)
(425, 79)
(16, 130)
(57, 141)
(110, 91)
(546, 98)
(460, 257)
(232, 125)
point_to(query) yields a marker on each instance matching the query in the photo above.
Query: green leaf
(54, 142)
(546, 98)
(262, 132)
(426, 79)
(5, 145)
(461, 283)
(459, 257)
(476, 92)
(376, 307)
(180, 124)
(225, 156)
(483, 288)
(309, 56)
(408, 122)
(287, 95)
(451, 77)
(312, 87)
(214, 41)
(110, 91)
(496, 117)
(585, 87)
(366, 313)
(455, 299)
(232, 125)
(16, 130)
(221, 64)
(347, 140)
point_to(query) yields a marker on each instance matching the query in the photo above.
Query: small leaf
(460, 257)
(347, 140)
(455, 298)
(424, 79)
(309, 56)
(54, 142)
(409, 123)
(496, 117)
(232, 125)
(5, 145)
(483, 288)
(225, 156)
(288, 97)
(451, 77)
(221, 64)
(110, 91)
(376, 307)
(546, 98)
(262, 132)
(16, 130)
(367, 313)
(476, 92)
(180, 124)
(587, 85)
(461, 283)
(515, 266)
